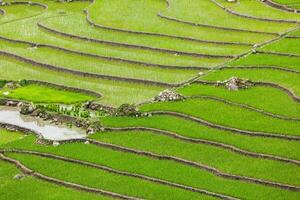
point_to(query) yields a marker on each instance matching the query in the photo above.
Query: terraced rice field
(101, 65)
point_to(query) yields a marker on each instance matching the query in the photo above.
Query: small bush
(2, 83)
(127, 110)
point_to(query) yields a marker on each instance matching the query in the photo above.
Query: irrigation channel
(11, 115)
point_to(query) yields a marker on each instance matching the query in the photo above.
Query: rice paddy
(179, 99)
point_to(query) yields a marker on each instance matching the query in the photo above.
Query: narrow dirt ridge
(280, 6)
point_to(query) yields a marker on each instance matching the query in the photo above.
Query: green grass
(42, 94)
(29, 187)
(163, 169)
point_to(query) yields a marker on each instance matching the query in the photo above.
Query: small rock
(11, 103)
(86, 142)
(55, 144)
(19, 176)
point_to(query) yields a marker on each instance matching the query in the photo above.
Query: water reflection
(11, 115)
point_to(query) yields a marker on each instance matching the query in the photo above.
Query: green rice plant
(227, 115)
(142, 16)
(264, 98)
(288, 80)
(97, 178)
(9, 136)
(28, 187)
(194, 130)
(162, 169)
(213, 15)
(223, 160)
(286, 45)
(262, 60)
(42, 94)
(114, 93)
(97, 66)
(254, 8)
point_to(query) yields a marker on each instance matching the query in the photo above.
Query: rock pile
(27, 109)
(168, 95)
(127, 110)
(12, 103)
(96, 106)
(235, 83)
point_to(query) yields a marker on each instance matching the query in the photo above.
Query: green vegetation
(169, 122)
(42, 94)
(28, 187)
(9, 136)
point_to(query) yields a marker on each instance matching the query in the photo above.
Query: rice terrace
(149, 99)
